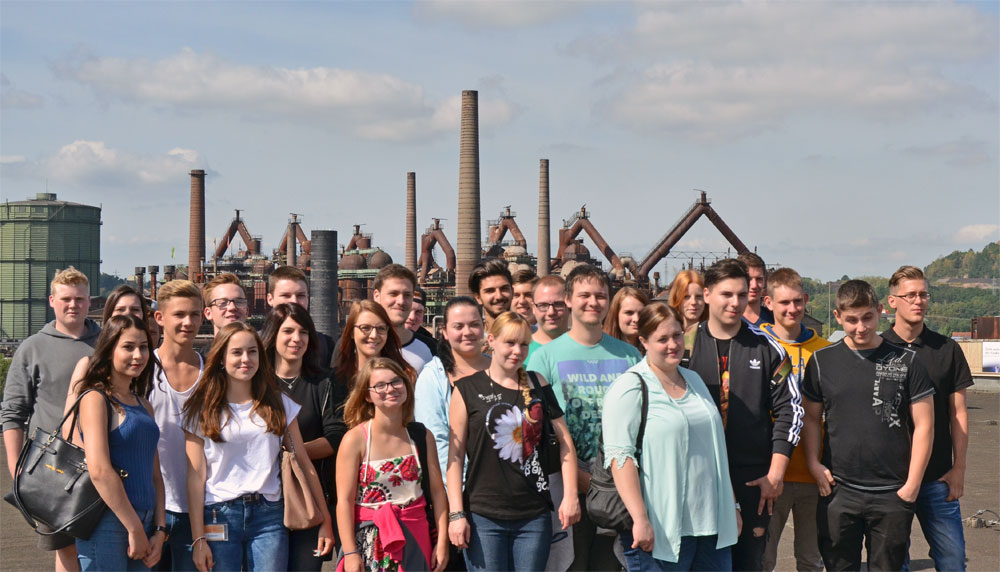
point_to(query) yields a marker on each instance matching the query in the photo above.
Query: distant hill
(963, 266)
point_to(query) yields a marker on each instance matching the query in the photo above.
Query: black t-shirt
(320, 416)
(949, 372)
(504, 479)
(867, 403)
(722, 349)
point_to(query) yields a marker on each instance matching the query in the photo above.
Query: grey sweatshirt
(39, 377)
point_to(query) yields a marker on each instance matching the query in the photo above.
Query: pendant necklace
(289, 382)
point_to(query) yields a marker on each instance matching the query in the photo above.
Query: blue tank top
(132, 446)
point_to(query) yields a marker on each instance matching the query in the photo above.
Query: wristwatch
(163, 529)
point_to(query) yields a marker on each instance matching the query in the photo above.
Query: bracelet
(195, 541)
(738, 507)
(346, 554)
(457, 515)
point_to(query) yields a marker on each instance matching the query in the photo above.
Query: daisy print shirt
(503, 478)
(395, 480)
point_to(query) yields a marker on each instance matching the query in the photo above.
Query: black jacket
(765, 413)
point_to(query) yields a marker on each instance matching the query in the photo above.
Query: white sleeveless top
(167, 405)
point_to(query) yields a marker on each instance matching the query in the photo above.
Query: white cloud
(94, 163)
(12, 159)
(372, 105)
(710, 71)
(977, 233)
(11, 97)
(494, 14)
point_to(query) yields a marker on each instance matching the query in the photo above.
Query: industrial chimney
(196, 238)
(323, 303)
(153, 271)
(168, 272)
(140, 281)
(411, 221)
(544, 246)
(469, 232)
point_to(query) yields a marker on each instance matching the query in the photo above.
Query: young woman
(680, 497)
(687, 296)
(622, 321)
(458, 356)
(125, 300)
(383, 481)
(291, 342)
(235, 422)
(367, 334)
(130, 535)
(497, 418)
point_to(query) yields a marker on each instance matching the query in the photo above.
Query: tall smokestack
(153, 271)
(168, 272)
(469, 232)
(290, 244)
(544, 246)
(323, 282)
(140, 281)
(411, 221)
(196, 238)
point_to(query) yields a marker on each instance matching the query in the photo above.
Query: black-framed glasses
(367, 329)
(912, 297)
(223, 303)
(543, 307)
(384, 386)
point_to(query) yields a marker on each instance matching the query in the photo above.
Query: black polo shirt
(949, 372)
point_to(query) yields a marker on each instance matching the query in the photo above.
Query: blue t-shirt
(580, 376)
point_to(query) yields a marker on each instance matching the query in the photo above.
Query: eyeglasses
(223, 303)
(366, 329)
(543, 307)
(382, 387)
(912, 297)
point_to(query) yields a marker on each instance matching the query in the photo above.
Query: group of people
(716, 411)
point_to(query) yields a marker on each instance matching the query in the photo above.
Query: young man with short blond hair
(225, 301)
(875, 401)
(937, 508)
(38, 381)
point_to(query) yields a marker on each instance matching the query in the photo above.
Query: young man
(550, 310)
(756, 312)
(39, 377)
(747, 374)
(524, 285)
(944, 480)
(871, 393)
(225, 301)
(179, 314)
(493, 287)
(787, 301)
(415, 323)
(394, 287)
(580, 366)
(288, 285)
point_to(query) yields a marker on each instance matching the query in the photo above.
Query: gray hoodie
(39, 377)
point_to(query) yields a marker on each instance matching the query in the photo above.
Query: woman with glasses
(387, 475)
(291, 345)
(622, 321)
(367, 334)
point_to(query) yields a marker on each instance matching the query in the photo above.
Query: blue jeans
(508, 544)
(941, 521)
(696, 553)
(176, 554)
(107, 547)
(258, 539)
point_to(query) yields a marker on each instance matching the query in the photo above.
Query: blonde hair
(177, 289)
(358, 409)
(225, 278)
(511, 325)
(905, 273)
(68, 276)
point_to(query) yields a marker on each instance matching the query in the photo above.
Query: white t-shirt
(167, 405)
(416, 353)
(246, 461)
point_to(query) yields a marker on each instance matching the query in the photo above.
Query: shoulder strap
(642, 419)
(75, 413)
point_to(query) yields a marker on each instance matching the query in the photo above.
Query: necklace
(289, 382)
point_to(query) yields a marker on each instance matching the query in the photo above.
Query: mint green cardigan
(663, 473)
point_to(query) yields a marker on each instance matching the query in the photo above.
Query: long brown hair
(98, 375)
(513, 325)
(299, 315)
(117, 294)
(611, 325)
(205, 408)
(358, 409)
(345, 366)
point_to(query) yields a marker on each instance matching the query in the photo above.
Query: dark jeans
(176, 554)
(849, 516)
(508, 544)
(748, 552)
(696, 553)
(301, 548)
(941, 521)
(592, 551)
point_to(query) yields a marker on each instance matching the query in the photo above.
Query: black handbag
(52, 485)
(604, 505)
(549, 456)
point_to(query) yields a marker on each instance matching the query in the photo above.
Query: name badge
(216, 532)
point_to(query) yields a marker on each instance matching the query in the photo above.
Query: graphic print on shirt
(516, 436)
(584, 383)
(397, 470)
(890, 372)
(724, 387)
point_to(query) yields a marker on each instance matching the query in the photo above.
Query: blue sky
(837, 138)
